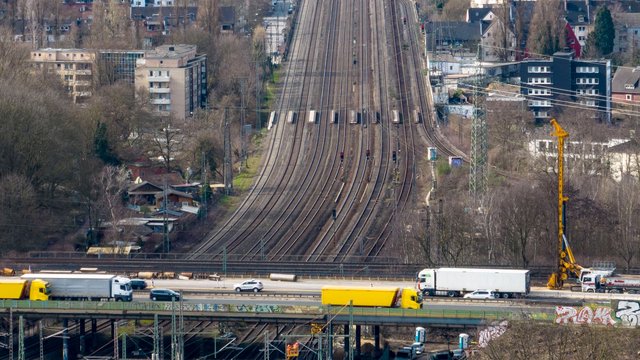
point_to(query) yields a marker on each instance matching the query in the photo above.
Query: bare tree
(19, 215)
(521, 217)
(455, 10)
(208, 16)
(111, 183)
(626, 209)
(503, 32)
(455, 233)
(546, 31)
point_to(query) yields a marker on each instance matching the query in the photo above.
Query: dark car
(138, 284)
(164, 295)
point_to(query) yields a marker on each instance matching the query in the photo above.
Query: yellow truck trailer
(406, 298)
(20, 289)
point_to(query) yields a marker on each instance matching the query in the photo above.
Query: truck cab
(121, 289)
(410, 299)
(39, 290)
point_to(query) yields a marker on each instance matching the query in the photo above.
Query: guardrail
(115, 309)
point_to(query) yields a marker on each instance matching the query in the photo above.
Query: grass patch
(244, 180)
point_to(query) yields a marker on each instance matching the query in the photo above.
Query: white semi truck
(86, 286)
(454, 282)
(618, 284)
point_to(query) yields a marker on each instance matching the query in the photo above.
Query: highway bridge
(320, 322)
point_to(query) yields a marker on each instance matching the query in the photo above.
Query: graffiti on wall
(491, 333)
(585, 315)
(628, 312)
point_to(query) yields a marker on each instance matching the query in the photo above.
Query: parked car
(481, 294)
(249, 285)
(138, 284)
(164, 295)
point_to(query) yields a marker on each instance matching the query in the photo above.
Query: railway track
(332, 192)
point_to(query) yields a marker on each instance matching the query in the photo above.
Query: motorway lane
(313, 286)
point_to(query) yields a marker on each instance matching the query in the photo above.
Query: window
(587, 92)
(542, 146)
(540, 103)
(581, 28)
(587, 69)
(587, 81)
(590, 103)
(541, 114)
(629, 97)
(539, 92)
(539, 69)
(581, 38)
(536, 80)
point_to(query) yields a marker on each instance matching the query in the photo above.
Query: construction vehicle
(567, 264)
(455, 282)
(566, 261)
(85, 286)
(387, 297)
(629, 284)
(21, 289)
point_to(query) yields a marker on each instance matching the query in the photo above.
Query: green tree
(604, 31)
(102, 147)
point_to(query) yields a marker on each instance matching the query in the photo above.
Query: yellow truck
(21, 289)
(387, 297)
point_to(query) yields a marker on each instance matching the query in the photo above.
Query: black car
(138, 284)
(164, 295)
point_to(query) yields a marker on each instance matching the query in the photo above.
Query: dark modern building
(118, 65)
(562, 79)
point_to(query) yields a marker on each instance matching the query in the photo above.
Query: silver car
(249, 285)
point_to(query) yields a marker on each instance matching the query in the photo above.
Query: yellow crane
(566, 262)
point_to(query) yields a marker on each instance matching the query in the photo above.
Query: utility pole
(165, 219)
(479, 166)
(21, 338)
(243, 150)
(228, 171)
(156, 339)
(205, 184)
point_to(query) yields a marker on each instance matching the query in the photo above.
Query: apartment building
(175, 77)
(566, 80)
(75, 66)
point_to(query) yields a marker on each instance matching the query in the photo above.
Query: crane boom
(566, 261)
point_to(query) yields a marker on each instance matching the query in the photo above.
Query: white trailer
(619, 284)
(458, 281)
(86, 286)
(313, 116)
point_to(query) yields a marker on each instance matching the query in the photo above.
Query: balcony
(156, 90)
(83, 83)
(82, 93)
(157, 78)
(83, 72)
(161, 101)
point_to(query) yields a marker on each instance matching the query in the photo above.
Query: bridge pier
(358, 336)
(347, 346)
(330, 340)
(376, 337)
(81, 324)
(94, 330)
(65, 339)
